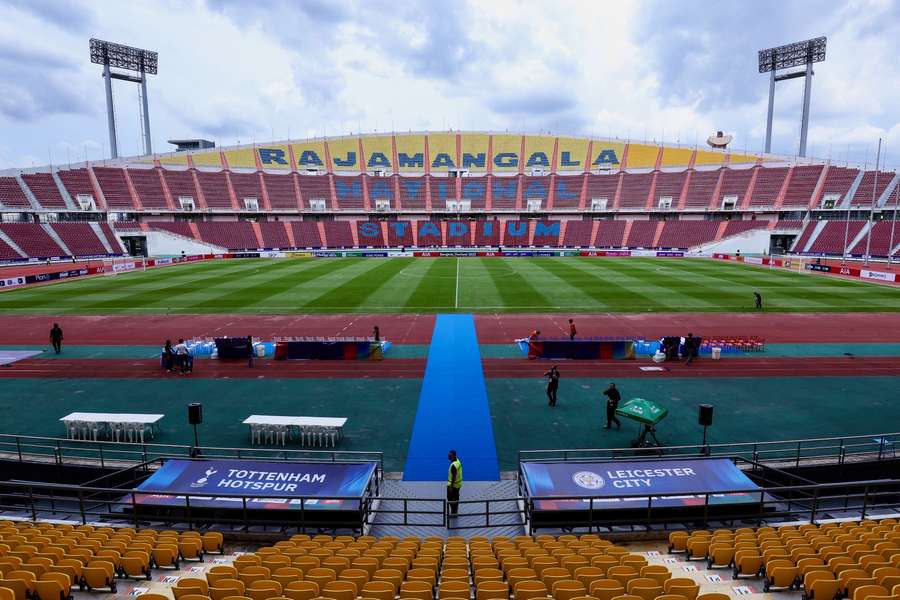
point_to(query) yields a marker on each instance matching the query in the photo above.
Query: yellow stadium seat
(263, 590)
(682, 586)
(54, 586)
(226, 587)
(301, 590)
(454, 590)
(99, 574)
(378, 590)
(525, 590)
(416, 590)
(567, 589)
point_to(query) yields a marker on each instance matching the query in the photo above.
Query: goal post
(789, 261)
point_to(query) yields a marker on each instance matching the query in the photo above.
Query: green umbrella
(642, 411)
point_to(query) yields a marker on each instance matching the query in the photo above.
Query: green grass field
(396, 285)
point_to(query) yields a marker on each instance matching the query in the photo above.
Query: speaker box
(195, 413)
(706, 414)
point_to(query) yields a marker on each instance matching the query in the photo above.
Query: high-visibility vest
(459, 478)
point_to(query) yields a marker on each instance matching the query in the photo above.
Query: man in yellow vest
(454, 482)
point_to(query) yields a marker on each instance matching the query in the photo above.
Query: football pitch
(417, 285)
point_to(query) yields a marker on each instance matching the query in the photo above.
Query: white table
(315, 430)
(89, 425)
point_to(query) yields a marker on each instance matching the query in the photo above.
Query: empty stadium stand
(635, 188)
(428, 234)
(149, 188)
(235, 235)
(684, 234)
(642, 234)
(181, 185)
(33, 239)
(881, 242)
(80, 239)
(578, 234)
(338, 234)
(768, 185)
(831, 239)
(182, 228)
(214, 186)
(11, 193)
(801, 185)
(306, 234)
(114, 187)
(274, 234)
(701, 188)
(281, 191)
(610, 234)
(45, 190)
(736, 227)
(400, 233)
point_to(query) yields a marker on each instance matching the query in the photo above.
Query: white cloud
(234, 71)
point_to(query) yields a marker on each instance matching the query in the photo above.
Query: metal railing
(798, 452)
(62, 451)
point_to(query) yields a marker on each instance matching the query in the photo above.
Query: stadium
(449, 364)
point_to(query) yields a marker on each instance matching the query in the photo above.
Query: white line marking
(456, 301)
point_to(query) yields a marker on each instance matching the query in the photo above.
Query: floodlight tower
(784, 57)
(119, 56)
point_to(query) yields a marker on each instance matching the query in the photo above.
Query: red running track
(155, 329)
(399, 368)
(414, 368)
(704, 367)
(773, 327)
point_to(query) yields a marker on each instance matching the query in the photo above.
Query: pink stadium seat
(32, 239)
(215, 189)
(602, 186)
(282, 194)
(609, 234)
(546, 233)
(246, 185)
(535, 188)
(114, 187)
(400, 233)
(111, 238)
(44, 189)
(80, 239)
(831, 238)
(11, 193)
(474, 189)
(338, 235)
(181, 184)
(635, 187)
(513, 227)
(412, 192)
(7, 252)
(315, 187)
(349, 192)
(274, 234)
(306, 234)
(567, 191)
(802, 184)
(380, 189)
(669, 184)
(149, 187)
(234, 235)
(701, 188)
(77, 181)
(489, 236)
(863, 196)
(459, 233)
(789, 224)
(578, 234)
(686, 234)
(736, 226)
(426, 236)
(838, 181)
(881, 239)
(182, 228)
(641, 234)
(803, 238)
(503, 191)
(768, 185)
(369, 234)
(735, 183)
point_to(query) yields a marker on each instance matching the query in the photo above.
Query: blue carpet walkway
(453, 408)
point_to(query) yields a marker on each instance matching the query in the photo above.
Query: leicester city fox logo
(203, 480)
(588, 480)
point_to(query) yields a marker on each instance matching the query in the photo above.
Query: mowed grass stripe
(172, 296)
(437, 286)
(270, 282)
(561, 282)
(511, 286)
(603, 290)
(644, 290)
(83, 291)
(352, 293)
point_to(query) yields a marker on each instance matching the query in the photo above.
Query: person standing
(612, 403)
(168, 356)
(534, 336)
(454, 482)
(758, 299)
(56, 338)
(572, 330)
(552, 385)
(376, 333)
(690, 348)
(181, 356)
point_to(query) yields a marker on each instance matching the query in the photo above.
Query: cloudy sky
(239, 71)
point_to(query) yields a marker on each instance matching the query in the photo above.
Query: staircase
(258, 233)
(716, 200)
(290, 233)
(658, 234)
(721, 231)
(12, 244)
(748, 195)
(851, 193)
(195, 231)
(28, 193)
(56, 238)
(99, 233)
(626, 233)
(860, 236)
(135, 199)
(67, 198)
